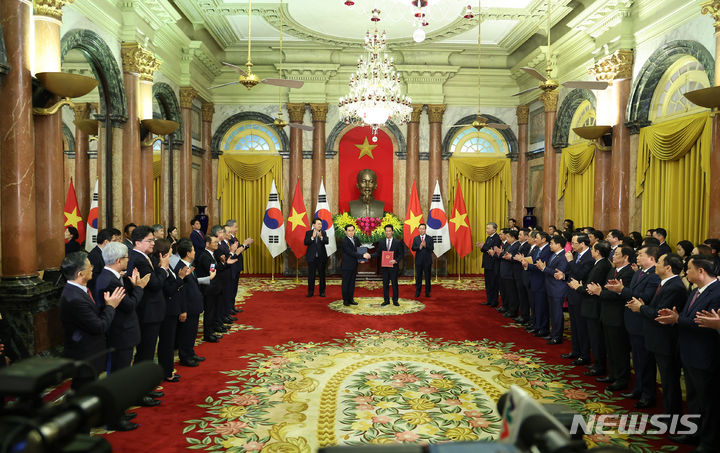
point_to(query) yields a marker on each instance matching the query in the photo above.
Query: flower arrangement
(367, 229)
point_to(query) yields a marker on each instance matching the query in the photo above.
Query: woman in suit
(173, 234)
(71, 240)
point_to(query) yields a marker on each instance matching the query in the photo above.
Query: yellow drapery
(487, 189)
(157, 186)
(244, 183)
(577, 182)
(673, 176)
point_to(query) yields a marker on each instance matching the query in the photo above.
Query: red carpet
(282, 317)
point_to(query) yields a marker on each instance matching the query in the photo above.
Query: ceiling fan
(247, 78)
(547, 83)
(480, 121)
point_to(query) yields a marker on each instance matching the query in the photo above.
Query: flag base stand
(458, 267)
(436, 270)
(297, 272)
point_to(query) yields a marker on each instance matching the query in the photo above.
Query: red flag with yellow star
(72, 214)
(413, 218)
(297, 223)
(460, 235)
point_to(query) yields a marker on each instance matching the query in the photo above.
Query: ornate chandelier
(375, 96)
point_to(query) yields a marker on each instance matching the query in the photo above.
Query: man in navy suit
(212, 290)
(190, 298)
(541, 253)
(522, 282)
(507, 274)
(699, 351)
(578, 268)
(231, 229)
(196, 236)
(316, 256)
(226, 257)
(348, 267)
(104, 237)
(85, 322)
(662, 340)
(661, 234)
(390, 274)
(555, 287)
(491, 264)
(423, 246)
(642, 286)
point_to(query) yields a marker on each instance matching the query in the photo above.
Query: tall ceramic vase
(529, 221)
(204, 219)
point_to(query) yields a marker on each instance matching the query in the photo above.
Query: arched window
(668, 102)
(584, 116)
(486, 142)
(251, 137)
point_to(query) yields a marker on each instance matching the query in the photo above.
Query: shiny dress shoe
(499, 309)
(235, 311)
(222, 329)
(520, 320)
(580, 361)
(540, 334)
(189, 363)
(632, 395)
(427, 294)
(175, 378)
(595, 372)
(547, 337)
(530, 330)
(156, 394)
(485, 303)
(197, 358)
(604, 379)
(352, 302)
(569, 355)
(417, 294)
(211, 339)
(385, 303)
(129, 415)
(229, 320)
(322, 294)
(555, 341)
(684, 439)
(308, 295)
(507, 314)
(123, 425)
(617, 386)
(146, 401)
(396, 303)
(238, 310)
(645, 404)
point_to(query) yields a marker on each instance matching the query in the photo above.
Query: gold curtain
(577, 182)
(157, 186)
(673, 175)
(487, 189)
(243, 187)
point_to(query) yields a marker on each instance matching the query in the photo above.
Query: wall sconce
(88, 126)
(596, 133)
(64, 85)
(706, 97)
(157, 127)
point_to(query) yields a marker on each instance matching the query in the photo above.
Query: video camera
(527, 426)
(29, 424)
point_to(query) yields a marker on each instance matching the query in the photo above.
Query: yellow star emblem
(72, 218)
(413, 221)
(366, 149)
(297, 218)
(459, 220)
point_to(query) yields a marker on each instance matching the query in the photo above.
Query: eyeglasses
(149, 240)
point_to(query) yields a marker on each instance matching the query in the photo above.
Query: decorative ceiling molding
(418, 74)
(601, 16)
(204, 56)
(306, 73)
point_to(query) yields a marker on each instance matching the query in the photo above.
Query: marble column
(550, 99)
(412, 161)
(712, 8)
(601, 199)
(319, 115)
(147, 194)
(208, 188)
(523, 114)
(182, 218)
(435, 116)
(17, 172)
(82, 162)
(131, 181)
(296, 112)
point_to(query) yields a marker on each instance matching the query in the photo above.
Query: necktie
(692, 301)
(642, 274)
(577, 259)
(91, 296)
(149, 261)
(616, 273)
(388, 244)
(657, 290)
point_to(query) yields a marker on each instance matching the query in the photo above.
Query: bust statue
(367, 206)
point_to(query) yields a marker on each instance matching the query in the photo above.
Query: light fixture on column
(156, 127)
(705, 97)
(90, 127)
(596, 133)
(65, 86)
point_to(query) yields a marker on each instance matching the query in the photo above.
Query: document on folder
(386, 258)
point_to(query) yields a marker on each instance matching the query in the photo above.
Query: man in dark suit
(151, 310)
(662, 340)
(390, 274)
(191, 303)
(661, 234)
(522, 281)
(490, 264)
(423, 246)
(127, 240)
(578, 268)
(555, 287)
(316, 256)
(615, 238)
(348, 267)
(612, 309)
(642, 286)
(510, 301)
(590, 306)
(197, 236)
(85, 322)
(699, 351)
(206, 266)
(226, 259)
(231, 229)
(541, 253)
(104, 237)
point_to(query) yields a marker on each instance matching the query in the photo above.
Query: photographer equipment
(28, 425)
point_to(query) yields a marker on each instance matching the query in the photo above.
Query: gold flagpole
(297, 271)
(272, 270)
(458, 265)
(436, 270)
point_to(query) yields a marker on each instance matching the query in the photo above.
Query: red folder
(386, 258)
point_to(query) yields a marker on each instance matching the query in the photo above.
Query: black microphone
(539, 431)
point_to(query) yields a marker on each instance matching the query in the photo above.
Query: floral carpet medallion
(380, 387)
(372, 306)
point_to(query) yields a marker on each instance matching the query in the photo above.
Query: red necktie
(91, 296)
(616, 272)
(657, 290)
(692, 301)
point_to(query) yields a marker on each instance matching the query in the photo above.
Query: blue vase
(204, 219)
(529, 221)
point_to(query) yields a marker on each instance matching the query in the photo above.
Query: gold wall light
(705, 97)
(602, 135)
(156, 127)
(65, 86)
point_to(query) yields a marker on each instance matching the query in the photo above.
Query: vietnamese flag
(460, 236)
(297, 223)
(413, 218)
(72, 214)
